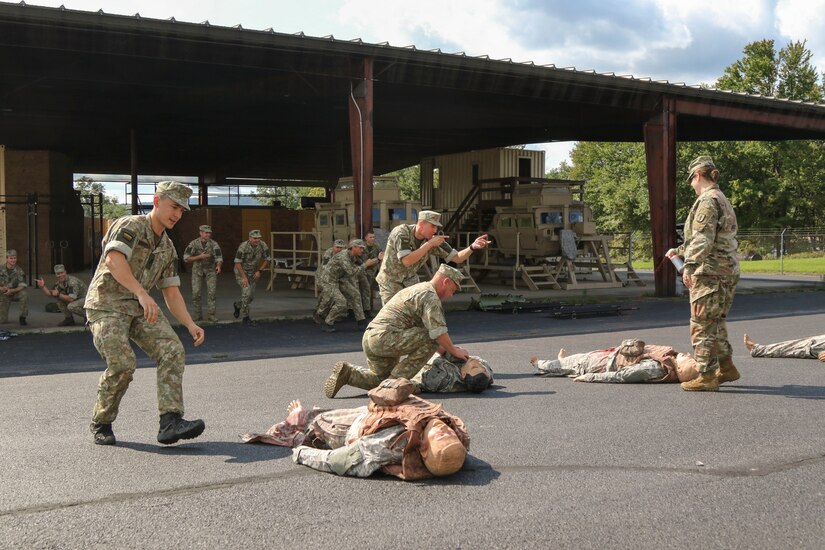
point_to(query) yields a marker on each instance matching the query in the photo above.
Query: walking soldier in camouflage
(412, 324)
(13, 289)
(710, 274)
(206, 258)
(250, 260)
(137, 256)
(69, 293)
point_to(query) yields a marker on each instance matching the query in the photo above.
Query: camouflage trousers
(211, 279)
(361, 458)
(76, 308)
(5, 302)
(804, 348)
(710, 301)
(365, 290)
(341, 298)
(111, 333)
(388, 289)
(384, 349)
(247, 292)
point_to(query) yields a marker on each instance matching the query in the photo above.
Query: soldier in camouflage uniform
(338, 285)
(13, 289)
(812, 347)
(412, 323)
(70, 294)
(206, 258)
(324, 302)
(446, 374)
(367, 284)
(137, 256)
(410, 246)
(250, 259)
(710, 274)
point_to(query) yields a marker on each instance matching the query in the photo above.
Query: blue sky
(676, 40)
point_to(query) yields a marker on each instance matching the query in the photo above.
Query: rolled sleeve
(402, 253)
(119, 246)
(169, 281)
(451, 255)
(437, 331)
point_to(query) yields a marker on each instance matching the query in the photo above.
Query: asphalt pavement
(554, 463)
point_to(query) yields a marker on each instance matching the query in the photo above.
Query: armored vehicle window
(506, 221)
(323, 220)
(414, 214)
(376, 217)
(576, 216)
(340, 219)
(525, 221)
(554, 218)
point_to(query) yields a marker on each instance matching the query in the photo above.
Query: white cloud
(803, 20)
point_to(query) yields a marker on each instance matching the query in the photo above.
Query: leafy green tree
(87, 187)
(409, 182)
(286, 196)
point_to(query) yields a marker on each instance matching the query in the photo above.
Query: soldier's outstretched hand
(481, 242)
(197, 333)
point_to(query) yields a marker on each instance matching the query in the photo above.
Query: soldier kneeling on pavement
(69, 294)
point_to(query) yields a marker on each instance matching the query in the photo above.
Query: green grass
(807, 266)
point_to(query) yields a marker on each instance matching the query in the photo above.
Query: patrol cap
(255, 234)
(176, 191)
(59, 268)
(340, 243)
(357, 242)
(430, 217)
(702, 161)
(442, 452)
(206, 228)
(11, 252)
(451, 273)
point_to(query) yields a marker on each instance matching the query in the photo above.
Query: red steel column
(360, 131)
(660, 154)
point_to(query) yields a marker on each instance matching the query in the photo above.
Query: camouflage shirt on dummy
(152, 260)
(250, 257)
(710, 236)
(440, 375)
(401, 243)
(198, 247)
(415, 306)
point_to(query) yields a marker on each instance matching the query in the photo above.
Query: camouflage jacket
(152, 260)
(12, 278)
(341, 266)
(710, 236)
(198, 247)
(414, 306)
(74, 288)
(250, 257)
(370, 252)
(443, 376)
(400, 243)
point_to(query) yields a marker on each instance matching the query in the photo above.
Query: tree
(87, 187)
(409, 182)
(286, 196)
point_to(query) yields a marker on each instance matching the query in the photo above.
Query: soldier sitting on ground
(812, 347)
(13, 289)
(632, 361)
(69, 292)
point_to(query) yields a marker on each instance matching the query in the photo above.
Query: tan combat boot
(706, 381)
(338, 379)
(727, 371)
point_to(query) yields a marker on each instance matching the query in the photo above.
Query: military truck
(336, 220)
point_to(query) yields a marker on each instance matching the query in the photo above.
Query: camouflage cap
(59, 268)
(451, 273)
(206, 228)
(340, 243)
(11, 252)
(255, 234)
(702, 161)
(430, 217)
(357, 242)
(176, 191)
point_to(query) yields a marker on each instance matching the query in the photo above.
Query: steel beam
(660, 155)
(361, 147)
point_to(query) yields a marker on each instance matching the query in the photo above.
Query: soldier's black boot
(326, 327)
(23, 322)
(103, 434)
(248, 321)
(237, 312)
(67, 322)
(173, 427)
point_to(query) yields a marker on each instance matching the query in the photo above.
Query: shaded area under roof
(207, 100)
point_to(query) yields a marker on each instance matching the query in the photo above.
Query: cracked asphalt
(554, 463)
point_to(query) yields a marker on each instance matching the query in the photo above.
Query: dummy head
(686, 367)
(441, 449)
(474, 375)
